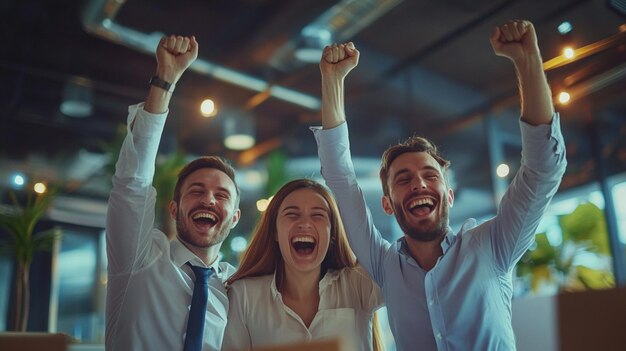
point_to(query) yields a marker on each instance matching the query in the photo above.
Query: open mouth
(422, 206)
(303, 245)
(205, 219)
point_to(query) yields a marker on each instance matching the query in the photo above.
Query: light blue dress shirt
(464, 301)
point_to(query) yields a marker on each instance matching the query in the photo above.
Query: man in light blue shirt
(445, 291)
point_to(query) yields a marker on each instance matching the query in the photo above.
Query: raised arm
(337, 168)
(337, 61)
(174, 55)
(543, 152)
(517, 41)
(130, 214)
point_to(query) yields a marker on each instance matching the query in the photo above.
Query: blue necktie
(197, 312)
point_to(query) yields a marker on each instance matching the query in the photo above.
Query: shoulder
(354, 276)
(225, 271)
(252, 284)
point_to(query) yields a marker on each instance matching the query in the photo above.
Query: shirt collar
(181, 255)
(330, 277)
(446, 243)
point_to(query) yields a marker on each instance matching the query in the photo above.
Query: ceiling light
(238, 130)
(311, 44)
(568, 52)
(40, 188)
(207, 108)
(564, 97)
(502, 170)
(77, 98)
(565, 27)
(18, 180)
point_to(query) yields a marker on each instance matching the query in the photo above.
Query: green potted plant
(19, 240)
(584, 234)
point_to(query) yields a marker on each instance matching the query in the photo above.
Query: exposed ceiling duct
(338, 24)
(98, 19)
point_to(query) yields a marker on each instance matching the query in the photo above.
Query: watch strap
(158, 82)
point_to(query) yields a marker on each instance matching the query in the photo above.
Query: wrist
(167, 74)
(162, 84)
(528, 60)
(333, 80)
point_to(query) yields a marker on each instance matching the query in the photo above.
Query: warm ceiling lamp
(238, 130)
(207, 108)
(40, 188)
(564, 97)
(502, 170)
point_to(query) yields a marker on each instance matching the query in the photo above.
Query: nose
(418, 183)
(304, 224)
(209, 200)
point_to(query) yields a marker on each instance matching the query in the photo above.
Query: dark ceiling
(426, 68)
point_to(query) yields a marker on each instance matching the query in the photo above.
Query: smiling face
(207, 208)
(303, 230)
(418, 196)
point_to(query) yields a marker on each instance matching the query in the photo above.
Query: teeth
(303, 239)
(205, 215)
(420, 202)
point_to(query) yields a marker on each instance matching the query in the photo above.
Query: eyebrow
(201, 185)
(406, 170)
(298, 208)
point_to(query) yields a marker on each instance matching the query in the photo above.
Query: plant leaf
(594, 278)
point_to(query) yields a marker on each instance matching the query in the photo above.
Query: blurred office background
(69, 69)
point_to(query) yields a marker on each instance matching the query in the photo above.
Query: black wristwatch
(158, 82)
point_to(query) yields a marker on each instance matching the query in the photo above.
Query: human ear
(387, 207)
(450, 197)
(173, 208)
(235, 219)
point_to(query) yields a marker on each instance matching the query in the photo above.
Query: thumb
(495, 35)
(495, 39)
(193, 46)
(351, 50)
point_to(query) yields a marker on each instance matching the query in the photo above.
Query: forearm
(537, 180)
(130, 214)
(338, 172)
(158, 98)
(333, 110)
(536, 98)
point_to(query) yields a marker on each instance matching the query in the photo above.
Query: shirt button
(431, 302)
(439, 336)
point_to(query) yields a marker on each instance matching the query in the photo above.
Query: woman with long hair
(298, 280)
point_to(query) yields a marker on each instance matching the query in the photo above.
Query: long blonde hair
(263, 256)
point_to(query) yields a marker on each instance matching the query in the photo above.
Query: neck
(208, 255)
(300, 286)
(425, 253)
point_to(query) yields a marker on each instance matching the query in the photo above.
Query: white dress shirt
(149, 284)
(258, 317)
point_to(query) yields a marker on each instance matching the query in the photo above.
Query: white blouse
(258, 317)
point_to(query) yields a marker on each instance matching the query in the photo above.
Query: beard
(425, 231)
(185, 234)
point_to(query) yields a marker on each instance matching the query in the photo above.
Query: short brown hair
(412, 144)
(214, 162)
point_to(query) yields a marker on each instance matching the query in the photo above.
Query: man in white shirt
(150, 279)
